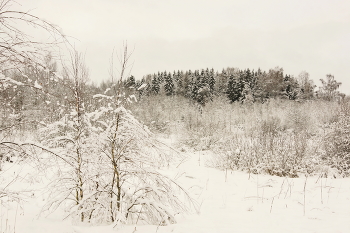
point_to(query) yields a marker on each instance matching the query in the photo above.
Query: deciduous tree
(330, 87)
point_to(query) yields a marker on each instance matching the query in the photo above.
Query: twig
(158, 226)
(305, 195)
(272, 204)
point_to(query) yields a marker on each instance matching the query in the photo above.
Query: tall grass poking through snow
(280, 137)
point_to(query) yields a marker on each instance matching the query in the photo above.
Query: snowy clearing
(229, 201)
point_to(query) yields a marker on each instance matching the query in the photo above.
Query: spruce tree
(233, 89)
(188, 84)
(179, 83)
(211, 81)
(155, 85)
(169, 85)
(221, 83)
(195, 85)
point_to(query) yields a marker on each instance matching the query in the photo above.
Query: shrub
(337, 142)
(109, 173)
(279, 137)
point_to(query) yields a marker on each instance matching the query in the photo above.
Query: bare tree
(124, 68)
(18, 47)
(111, 174)
(79, 75)
(75, 126)
(21, 47)
(306, 84)
(330, 87)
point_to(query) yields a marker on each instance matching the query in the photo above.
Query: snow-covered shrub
(279, 137)
(132, 155)
(337, 142)
(276, 153)
(115, 178)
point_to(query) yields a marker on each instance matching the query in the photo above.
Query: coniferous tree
(169, 85)
(237, 85)
(179, 83)
(161, 77)
(155, 85)
(274, 83)
(233, 89)
(291, 87)
(195, 85)
(259, 91)
(175, 76)
(247, 76)
(203, 95)
(201, 90)
(253, 84)
(130, 82)
(221, 83)
(142, 88)
(188, 84)
(211, 81)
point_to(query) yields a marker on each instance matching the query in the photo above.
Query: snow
(58, 75)
(37, 85)
(102, 96)
(10, 80)
(231, 201)
(132, 98)
(142, 86)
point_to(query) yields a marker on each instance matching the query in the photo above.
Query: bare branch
(18, 48)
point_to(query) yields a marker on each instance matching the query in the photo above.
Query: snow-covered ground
(227, 202)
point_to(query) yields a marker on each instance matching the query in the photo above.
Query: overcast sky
(310, 35)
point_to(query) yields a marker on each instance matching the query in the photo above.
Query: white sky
(310, 35)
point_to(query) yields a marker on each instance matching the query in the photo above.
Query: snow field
(226, 202)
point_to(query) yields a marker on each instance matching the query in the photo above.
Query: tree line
(36, 89)
(237, 85)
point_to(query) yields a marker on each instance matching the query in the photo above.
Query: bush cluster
(337, 141)
(279, 137)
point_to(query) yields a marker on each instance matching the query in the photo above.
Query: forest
(107, 153)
